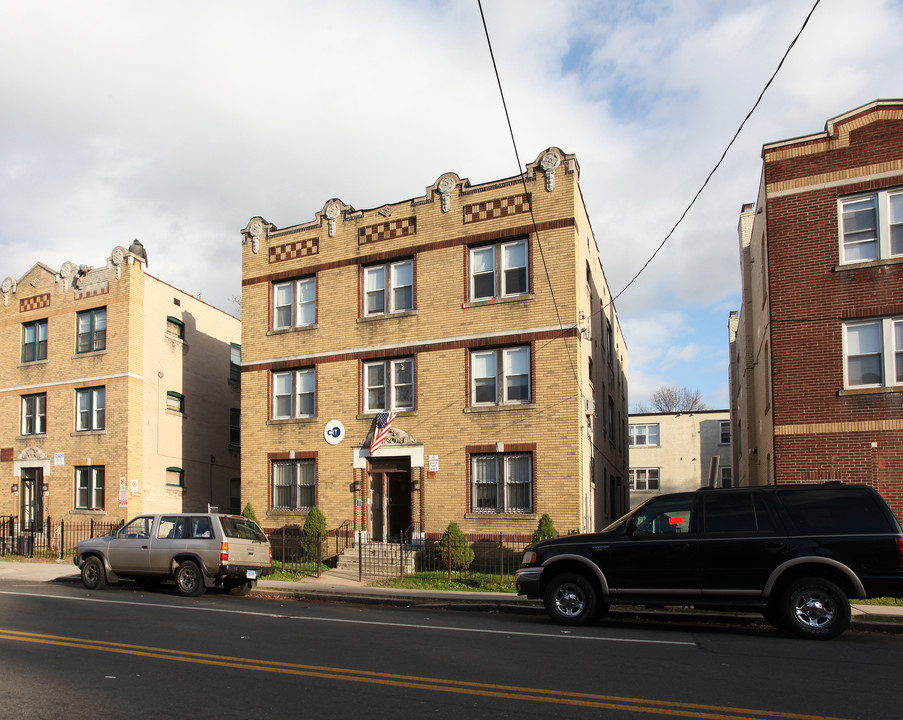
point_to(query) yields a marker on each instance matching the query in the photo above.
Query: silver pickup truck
(195, 550)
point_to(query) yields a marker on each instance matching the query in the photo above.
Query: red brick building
(817, 347)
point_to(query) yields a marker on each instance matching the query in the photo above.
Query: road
(66, 652)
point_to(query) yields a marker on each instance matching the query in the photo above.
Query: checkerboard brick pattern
(93, 292)
(36, 302)
(387, 231)
(292, 250)
(498, 208)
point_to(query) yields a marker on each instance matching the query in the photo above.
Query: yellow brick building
(480, 318)
(115, 394)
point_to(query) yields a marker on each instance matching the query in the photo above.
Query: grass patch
(438, 580)
(294, 571)
(878, 601)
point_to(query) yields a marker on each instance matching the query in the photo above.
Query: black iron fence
(48, 539)
(295, 552)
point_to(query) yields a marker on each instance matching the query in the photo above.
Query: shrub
(248, 512)
(314, 530)
(546, 529)
(456, 554)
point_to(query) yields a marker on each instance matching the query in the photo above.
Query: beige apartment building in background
(119, 395)
(676, 452)
(480, 318)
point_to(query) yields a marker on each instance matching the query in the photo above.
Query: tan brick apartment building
(480, 314)
(817, 348)
(115, 394)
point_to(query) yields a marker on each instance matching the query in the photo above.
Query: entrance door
(390, 503)
(32, 499)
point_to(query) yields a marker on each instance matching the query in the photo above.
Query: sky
(177, 122)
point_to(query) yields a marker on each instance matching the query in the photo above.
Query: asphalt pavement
(342, 586)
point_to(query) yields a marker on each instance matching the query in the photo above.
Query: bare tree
(669, 398)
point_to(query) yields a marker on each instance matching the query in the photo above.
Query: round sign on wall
(334, 432)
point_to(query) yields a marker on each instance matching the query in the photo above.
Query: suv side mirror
(630, 528)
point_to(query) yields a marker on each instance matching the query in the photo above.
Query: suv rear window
(736, 512)
(239, 527)
(834, 511)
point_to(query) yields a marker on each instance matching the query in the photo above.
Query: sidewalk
(345, 587)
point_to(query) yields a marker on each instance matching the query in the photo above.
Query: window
(491, 386)
(610, 350)
(872, 227)
(640, 435)
(502, 483)
(34, 341)
(89, 487)
(34, 414)
(175, 402)
(235, 362)
(91, 330)
(644, 479)
(294, 485)
(235, 427)
(294, 394)
(389, 288)
(295, 303)
(175, 327)
(175, 477)
(726, 477)
(486, 282)
(873, 353)
(90, 405)
(389, 385)
(725, 432)
(664, 515)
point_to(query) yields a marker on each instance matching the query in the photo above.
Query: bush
(314, 530)
(546, 529)
(248, 512)
(456, 554)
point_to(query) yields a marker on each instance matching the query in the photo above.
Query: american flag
(383, 423)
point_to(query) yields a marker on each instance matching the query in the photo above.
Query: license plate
(251, 574)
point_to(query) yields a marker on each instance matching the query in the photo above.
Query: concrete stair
(379, 560)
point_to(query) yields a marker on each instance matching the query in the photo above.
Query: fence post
(401, 556)
(360, 560)
(319, 553)
(448, 544)
(501, 559)
(62, 537)
(283, 548)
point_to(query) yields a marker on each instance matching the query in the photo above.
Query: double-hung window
(500, 376)
(725, 432)
(644, 479)
(871, 226)
(389, 288)
(90, 408)
(643, 435)
(389, 385)
(502, 482)
(34, 414)
(91, 330)
(294, 484)
(89, 487)
(34, 341)
(295, 303)
(175, 327)
(873, 353)
(499, 270)
(294, 394)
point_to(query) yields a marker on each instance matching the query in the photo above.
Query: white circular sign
(334, 432)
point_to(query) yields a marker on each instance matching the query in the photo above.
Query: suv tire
(189, 580)
(814, 608)
(93, 575)
(571, 599)
(237, 587)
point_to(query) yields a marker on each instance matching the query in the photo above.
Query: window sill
(92, 513)
(284, 512)
(500, 408)
(81, 433)
(849, 392)
(32, 363)
(299, 328)
(370, 414)
(641, 447)
(179, 488)
(177, 413)
(498, 301)
(287, 421)
(90, 353)
(32, 436)
(869, 264)
(386, 316)
(496, 514)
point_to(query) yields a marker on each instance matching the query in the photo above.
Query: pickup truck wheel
(814, 608)
(237, 587)
(93, 575)
(189, 580)
(570, 599)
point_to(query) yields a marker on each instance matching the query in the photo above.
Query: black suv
(795, 553)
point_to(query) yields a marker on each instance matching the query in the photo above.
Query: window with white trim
(389, 385)
(294, 394)
(873, 353)
(294, 484)
(725, 432)
(34, 414)
(389, 288)
(871, 226)
(499, 270)
(295, 303)
(500, 376)
(90, 408)
(644, 479)
(34, 341)
(502, 482)
(89, 487)
(91, 330)
(643, 435)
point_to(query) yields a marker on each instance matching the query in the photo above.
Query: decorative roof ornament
(549, 163)
(445, 187)
(255, 229)
(331, 213)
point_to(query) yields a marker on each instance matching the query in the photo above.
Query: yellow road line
(608, 702)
